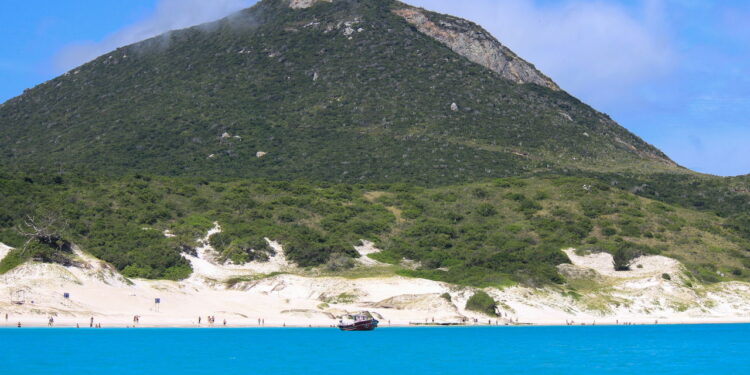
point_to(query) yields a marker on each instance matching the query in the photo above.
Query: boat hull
(365, 325)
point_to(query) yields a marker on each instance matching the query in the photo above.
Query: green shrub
(622, 258)
(541, 195)
(596, 207)
(386, 257)
(12, 260)
(178, 272)
(480, 193)
(706, 272)
(339, 262)
(529, 207)
(623, 252)
(483, 303)
(740, 224)
(486, 210)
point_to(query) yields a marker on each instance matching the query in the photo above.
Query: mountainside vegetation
(490, 233)
(343, 92)
(346, 121)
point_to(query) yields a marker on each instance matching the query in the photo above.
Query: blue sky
(675, 72)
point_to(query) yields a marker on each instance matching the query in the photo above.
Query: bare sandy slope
(596, 294)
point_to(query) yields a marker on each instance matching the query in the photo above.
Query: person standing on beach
(199, 320)
(91, 322)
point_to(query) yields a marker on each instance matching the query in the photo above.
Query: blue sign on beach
(66, 295)
(157, 300)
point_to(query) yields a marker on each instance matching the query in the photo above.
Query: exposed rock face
(302, 4)
(476, 44)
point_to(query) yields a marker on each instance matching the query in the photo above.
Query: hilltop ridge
(343, 91)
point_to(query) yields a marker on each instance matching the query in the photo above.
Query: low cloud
(168, 15)
(596, 50)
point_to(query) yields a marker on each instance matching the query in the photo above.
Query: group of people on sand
(51, 322)
(497, 322)
(6, 321)
(211, 320)
(617, 322)
(136, 319)
(572, 323)
(632, 324)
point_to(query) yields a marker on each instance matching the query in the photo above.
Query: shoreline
(36, 324)
(95, 292)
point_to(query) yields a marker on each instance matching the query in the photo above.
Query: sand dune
(33, 292)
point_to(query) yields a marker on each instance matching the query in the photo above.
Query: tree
(46, 229)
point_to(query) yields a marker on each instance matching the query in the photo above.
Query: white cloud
(168, 15)
(596, 50)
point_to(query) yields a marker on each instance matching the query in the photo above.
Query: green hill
(349, 91)
(320, 124)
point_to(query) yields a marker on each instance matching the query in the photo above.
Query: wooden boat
(359, 322)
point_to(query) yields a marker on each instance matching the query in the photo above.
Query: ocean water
(697, 349)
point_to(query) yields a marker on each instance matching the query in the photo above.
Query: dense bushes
(723, 196)
(484, 234)
(124, 221)
(339, 262)
(740, 223)
(482, 302)
(12, 260)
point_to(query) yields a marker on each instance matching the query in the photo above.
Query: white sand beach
(34, 292)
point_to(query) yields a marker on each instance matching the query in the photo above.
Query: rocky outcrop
(476, 44)
(302, 4)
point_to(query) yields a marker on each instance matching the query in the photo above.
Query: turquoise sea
(697, 349)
